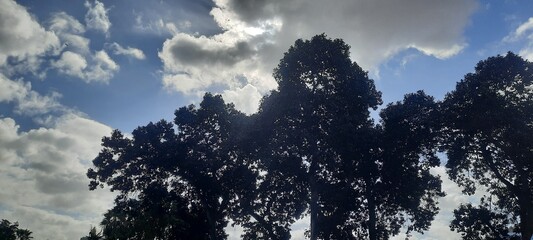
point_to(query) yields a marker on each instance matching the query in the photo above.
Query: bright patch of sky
(72, 71)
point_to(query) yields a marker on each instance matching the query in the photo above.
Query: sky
(71, 71)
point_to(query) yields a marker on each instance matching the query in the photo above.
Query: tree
(11, 231)
(153, 201)
(93, 235)
(488, 134)
(180, 183)
(317, 126)
(481, 222)
(319, 88)
(405, 188)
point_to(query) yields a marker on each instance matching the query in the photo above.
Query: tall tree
(11, 231)
(319, 88)
(405, 188)
(317, 125)
(488, 122)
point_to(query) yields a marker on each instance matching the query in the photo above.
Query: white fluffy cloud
(42, 171)
(246, 99)
(76, 59)
(524, 32)
(27, 101)
(128, 51)
(99, 67)
(28, 43)
(256, 33)
(96, 17)
(70, 32)
(71, 63)
(21, 36)
(42, 177)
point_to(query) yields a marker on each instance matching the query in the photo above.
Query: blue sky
(70, 71)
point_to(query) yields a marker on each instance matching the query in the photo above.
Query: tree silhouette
(11, 231)
(190, 182)
(317, 126)
(93, 235)
(405, 188)
(311, 149)
(489, 139)
(154, 201)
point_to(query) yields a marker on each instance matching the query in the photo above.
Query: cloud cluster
(42, 176)
(21, 37)
(42, 171)
(61, 44)
(27, 101)
(256, 33)
(77, 59)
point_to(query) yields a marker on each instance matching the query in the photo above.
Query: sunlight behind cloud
(376, 31)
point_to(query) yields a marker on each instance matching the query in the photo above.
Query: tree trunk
(371, 210)
(212, 223)
(313, 205)
(526, 218)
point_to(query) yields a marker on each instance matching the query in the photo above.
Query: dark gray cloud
(194, 53)
(252, 10)
(255, 34)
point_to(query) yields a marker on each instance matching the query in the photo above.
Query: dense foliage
(11, 231)
(488, 132)
(313, 150)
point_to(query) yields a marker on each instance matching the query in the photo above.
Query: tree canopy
(488, 135)
(11, 231)
(317, 124)
(313, 150)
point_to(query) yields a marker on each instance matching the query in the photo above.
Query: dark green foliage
(11, 231)
(482, 222)
(488, 135)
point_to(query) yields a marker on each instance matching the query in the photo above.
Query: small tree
(174, 185)
(11, 231)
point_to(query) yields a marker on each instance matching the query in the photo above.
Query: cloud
(99, 68)
(96, 17)
(524, 32)
(62, 22)
(72, 64)
(521, 30)
(128, 51)
(76, 59)
(69, 31)
(42, 181)
(21, 36)
(159, 26)
(27, 101)
(256, 33)
(102, 69)
(246, 99)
